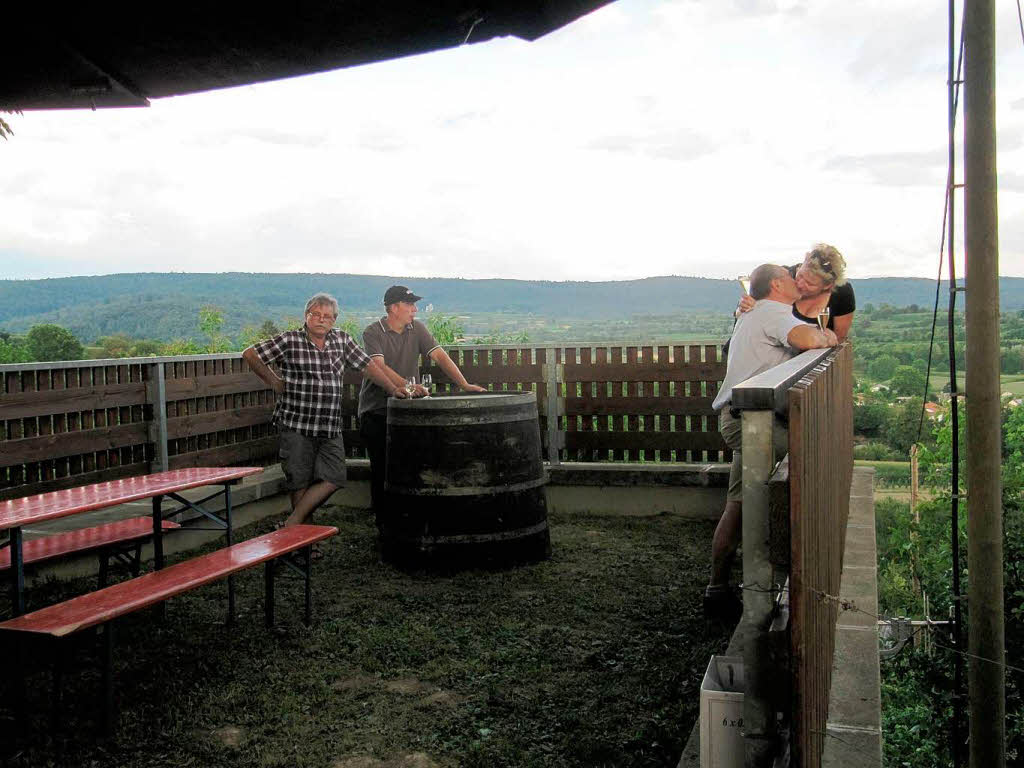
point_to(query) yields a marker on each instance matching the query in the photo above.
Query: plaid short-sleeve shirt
(313, 379)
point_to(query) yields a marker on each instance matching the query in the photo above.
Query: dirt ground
(593, 658)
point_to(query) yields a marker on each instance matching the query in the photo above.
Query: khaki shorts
(731, 428)
(308, 459)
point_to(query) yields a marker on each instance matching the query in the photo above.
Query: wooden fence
(820, 473)
(71, 423)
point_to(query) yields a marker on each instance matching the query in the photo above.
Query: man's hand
(421, 391)
(399, 392)
(831, 337)
(277, 385)
(473, 388)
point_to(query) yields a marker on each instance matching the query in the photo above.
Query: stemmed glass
(427, 381)
(410, 385)
(744, 281)
(823, 316)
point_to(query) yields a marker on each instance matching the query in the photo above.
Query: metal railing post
(758, 593)
(157, 394)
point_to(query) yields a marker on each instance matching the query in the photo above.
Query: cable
(847, 604)
(846, 743)
(1020, 19)
(942, 241)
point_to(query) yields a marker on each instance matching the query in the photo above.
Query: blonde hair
(826, 262)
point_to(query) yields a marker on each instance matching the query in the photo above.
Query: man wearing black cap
(399, 339)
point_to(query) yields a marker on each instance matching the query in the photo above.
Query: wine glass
(823, 316)
(410, 385)
(427, 381)
(744, 281)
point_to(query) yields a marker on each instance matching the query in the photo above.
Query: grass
(593, 658)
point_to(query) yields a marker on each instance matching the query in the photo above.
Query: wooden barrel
(465, 481)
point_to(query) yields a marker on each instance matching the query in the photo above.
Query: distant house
(933, 409)
(880, 388)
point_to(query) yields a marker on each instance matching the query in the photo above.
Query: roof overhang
(94, 55)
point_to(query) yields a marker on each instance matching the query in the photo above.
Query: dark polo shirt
(401, 352)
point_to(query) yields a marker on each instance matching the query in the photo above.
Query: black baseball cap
(398, 293)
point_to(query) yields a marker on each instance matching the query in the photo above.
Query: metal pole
(159, 400)
(758, 712)
(985, 672)
(956, 735)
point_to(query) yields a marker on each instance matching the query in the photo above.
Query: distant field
(1014, 384)
(881, 464)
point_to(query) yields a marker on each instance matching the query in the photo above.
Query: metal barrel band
(472, 490)
(470, 419)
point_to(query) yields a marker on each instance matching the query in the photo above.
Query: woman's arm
(842, 324)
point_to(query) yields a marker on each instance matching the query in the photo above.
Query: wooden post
(915, 578)
(913, 482)
(758, 710)
(986, 643)
(551, 377)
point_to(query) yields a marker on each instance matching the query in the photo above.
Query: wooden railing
(69, 423)
(794, 522)
(820, 473)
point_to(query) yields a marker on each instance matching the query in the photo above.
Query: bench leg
(158, 546)
(20, 688)
(308, 551)
(231, 540)
(60, 665)
(268, 600)
(104, 573)
(158, 532)
(107, 662)
(17, 573)
(137, 560)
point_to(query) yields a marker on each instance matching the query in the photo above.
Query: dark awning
(118, 54)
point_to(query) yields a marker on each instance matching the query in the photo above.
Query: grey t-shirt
(759, 342)
(401, 352)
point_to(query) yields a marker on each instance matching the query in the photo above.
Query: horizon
(413, 279)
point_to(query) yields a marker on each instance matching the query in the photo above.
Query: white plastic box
(721, 713)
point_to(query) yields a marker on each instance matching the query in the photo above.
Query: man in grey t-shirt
(399, 339)
(763, 338)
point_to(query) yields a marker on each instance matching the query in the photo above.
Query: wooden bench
(106, 605)
(107, 540)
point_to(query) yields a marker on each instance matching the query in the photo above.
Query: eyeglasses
(322, 318)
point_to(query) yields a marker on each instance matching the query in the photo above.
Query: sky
(651, 137)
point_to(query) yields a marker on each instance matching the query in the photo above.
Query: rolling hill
(165, 305)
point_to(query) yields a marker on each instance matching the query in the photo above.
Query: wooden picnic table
(18, 513)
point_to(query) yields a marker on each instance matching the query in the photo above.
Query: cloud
(771, 7)
(1011, 181)
(894, 169)
(679, 144)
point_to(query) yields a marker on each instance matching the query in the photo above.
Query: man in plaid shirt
(312, 363)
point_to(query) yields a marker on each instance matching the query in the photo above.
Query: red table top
(47, 506)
